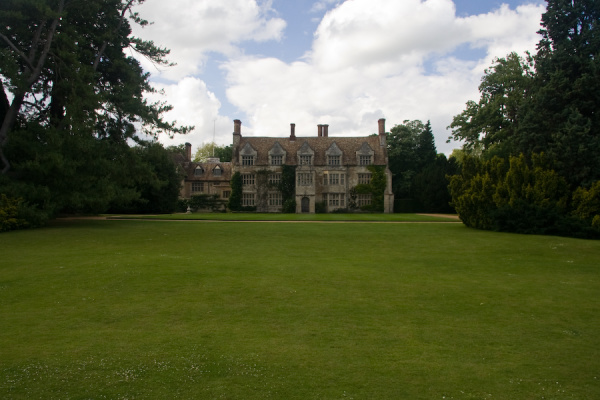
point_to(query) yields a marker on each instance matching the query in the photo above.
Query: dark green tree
(426, 151)
(404, 162)
(491, 125)
(154, 175)
(524, 195)
(224, 153)
(430, 185)
(235, 199)
(419, 173)
(562, 117)
(76, 99)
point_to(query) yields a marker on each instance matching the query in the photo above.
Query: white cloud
(367, 62)
(194, 28)
(366, 32)
(322, 5)
(193, 104)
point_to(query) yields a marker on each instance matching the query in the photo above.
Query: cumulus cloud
(368, 61)
(366, 32)
(193, 104)
(194, 28)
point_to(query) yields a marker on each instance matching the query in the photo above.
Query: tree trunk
(32, 71)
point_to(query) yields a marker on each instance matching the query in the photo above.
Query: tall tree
(562, 118)
(65, 64)
(76, 100)
(210, 150)
(426, 151)
(419, 173)
(491, 125)
(403, 142)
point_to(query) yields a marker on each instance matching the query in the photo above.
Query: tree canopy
(419, 173)
(72, 100)
(213, 150)
(538, 107)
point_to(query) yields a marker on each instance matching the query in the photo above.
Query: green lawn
(353, 217)
(156, 309)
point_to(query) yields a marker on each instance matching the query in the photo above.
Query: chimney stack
(382, 135)
(292, 132)
(381, 126)
(319, 130)
(325, 130)
(237, 127)
(188, 151)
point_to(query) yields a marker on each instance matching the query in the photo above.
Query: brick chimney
(382, 136)
(319, 130)
(325, 130)
(292, 132)
(237, 134)
(188, 152)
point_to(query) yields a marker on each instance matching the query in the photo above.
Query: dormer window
(305, 155)
(199, 171)
(365, 160)
(334, 155)
(365, 155)
(276, 160)
(306, 160)
(217, 171)
(247, 155)
(277, 155)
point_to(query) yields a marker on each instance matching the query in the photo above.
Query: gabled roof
(347, 145)
(208, 174)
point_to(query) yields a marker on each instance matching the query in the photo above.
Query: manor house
(326, 168)
(211, 177)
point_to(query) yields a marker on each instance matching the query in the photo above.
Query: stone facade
(327, 168)
(211, 177)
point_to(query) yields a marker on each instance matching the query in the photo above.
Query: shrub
(586, 204)
(16, 214)
(523, 196)
(289, 206)
(320, 207)
(205, 201)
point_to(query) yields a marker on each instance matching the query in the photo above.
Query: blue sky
(346, 63)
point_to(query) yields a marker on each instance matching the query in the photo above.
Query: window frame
(247, 160)
(196, 185)
(304, 179)
(248, 199)
(365, 159)
(248, 179)
(305, 159)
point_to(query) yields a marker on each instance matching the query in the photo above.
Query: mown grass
(353, 217)
(143, 309)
